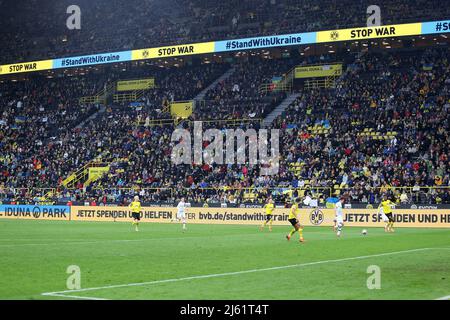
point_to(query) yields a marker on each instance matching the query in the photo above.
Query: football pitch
(219, 262)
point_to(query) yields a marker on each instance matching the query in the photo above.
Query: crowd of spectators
(182, 83)
(380, 93)
(33, 116)
(403, 92)
(245, 94)
(46, 134)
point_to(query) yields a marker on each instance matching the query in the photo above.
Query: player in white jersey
(339, 217)
(383, 216)
(181, 212)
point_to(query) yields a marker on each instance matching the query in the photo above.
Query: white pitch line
(76, 297)
(230, 273)
(443, 298)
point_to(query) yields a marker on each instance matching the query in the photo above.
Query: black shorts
(268, 217)
(390, 216)
(293, 221)
(136, 215)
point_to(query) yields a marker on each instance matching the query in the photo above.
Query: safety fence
(425, 218)
(411, 195)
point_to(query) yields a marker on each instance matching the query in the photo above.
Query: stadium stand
(40, 156)
(383, 127)
(346, 139)
(37, 36)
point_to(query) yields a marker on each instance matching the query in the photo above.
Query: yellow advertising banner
(370, 218)
(172, 51)
(370, 32)
(96, 172)
(26, 67)
(326, 70)
(255, 216)
(139, 84)
(181, 109)
(116, 213)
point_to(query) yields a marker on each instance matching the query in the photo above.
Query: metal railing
(155, 122)
(230, 122)
(249, 194)
(275, 87)
(286, 84)
(128, 97)
(82, 173)
(100, 97)
(326, 83)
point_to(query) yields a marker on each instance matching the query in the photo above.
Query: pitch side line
(62, 293)
(75, 297)
(444, 298)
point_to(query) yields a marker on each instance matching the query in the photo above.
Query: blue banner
(265, 42)
(35, 212)
(436, 27)
(102, 58)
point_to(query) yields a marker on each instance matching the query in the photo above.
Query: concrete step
(201, 95)
(93, 116)
(280, 109)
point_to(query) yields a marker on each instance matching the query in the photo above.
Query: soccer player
(269, 206)
(181, 214)
(385, 205)
(339, 219)
(294, 221)
(136, 212)
(383, 216)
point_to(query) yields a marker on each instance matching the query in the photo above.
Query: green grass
(34, 256)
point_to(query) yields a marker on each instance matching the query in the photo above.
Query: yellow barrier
(26, 67)
(327, 70)
(173, 51)
(369, 32)
(255, 216)
(138, 84)
(181, 109)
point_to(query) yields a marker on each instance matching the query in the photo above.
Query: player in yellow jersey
(293, 214)
(386, 210)
(135, 206)
(269, 206)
